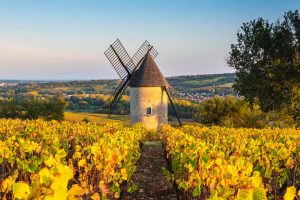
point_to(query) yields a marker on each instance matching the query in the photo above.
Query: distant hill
(207, 85)
(202, 83)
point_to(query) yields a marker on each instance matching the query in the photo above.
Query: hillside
(219, 84)
(185, 83)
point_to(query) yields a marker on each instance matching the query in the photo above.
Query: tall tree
(266, 58)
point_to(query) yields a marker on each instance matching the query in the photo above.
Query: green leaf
(204, 158)
(244, 194)
(184, 185)
(114, 188)
(197, 191)
(259, 194)
(132, 188)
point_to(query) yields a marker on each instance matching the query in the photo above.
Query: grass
(96, 117)
(228, 85)
(103, 118)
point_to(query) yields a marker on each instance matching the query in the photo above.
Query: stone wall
(143, 97)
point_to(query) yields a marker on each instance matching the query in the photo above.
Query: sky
(65, 39)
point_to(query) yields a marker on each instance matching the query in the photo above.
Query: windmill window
(149, 111)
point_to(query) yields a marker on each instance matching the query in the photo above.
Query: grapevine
(228, 163)
(52, 160)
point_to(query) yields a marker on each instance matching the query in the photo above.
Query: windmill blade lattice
(120, 60)
(142, 51)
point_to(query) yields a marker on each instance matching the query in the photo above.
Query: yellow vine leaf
(45, 176)
(61, 153)
(95, 196)
(75, 191)
(117, 195)
(290, 163)
(59, 188)
(50, 161)
(21, 190)
(64, 172)
(94, 149)
(60, 183)
(256, 179)
(290, 193)
(232, 170)
(7, 184)
(82, 163)
(124, 174)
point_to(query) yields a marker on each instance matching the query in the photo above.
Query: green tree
(211, 111)
(230, 112)
(9, 108)
(55, 108)
(33, 108)
(266, 58)
(295, 105)
(184, 108)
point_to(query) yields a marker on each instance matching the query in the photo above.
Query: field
(71, 160)
(203, 83)
(96, 117)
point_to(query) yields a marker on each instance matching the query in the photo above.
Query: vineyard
(68, 160)
(51, 160)
(227, 163)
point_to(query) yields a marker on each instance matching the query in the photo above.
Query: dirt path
(149, 177)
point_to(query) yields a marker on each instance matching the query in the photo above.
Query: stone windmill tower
(148, 99)
(148, 87)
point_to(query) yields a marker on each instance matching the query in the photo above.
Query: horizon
(108, 79)
(66, 40)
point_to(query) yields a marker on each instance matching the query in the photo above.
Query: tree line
(33, 108)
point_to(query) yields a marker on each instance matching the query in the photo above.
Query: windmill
(148, 87)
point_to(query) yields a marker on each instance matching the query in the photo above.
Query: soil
(149, 176)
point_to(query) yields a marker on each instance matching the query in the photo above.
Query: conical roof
(148, 75)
